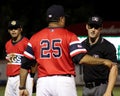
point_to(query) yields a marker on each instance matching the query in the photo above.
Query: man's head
(54, 12)
(15, 28)
(94, 27)
(95, 21)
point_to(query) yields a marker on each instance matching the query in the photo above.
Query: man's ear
(101, 28)
(21, 29)
(8, 30)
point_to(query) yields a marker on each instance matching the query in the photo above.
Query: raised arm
(87, 59)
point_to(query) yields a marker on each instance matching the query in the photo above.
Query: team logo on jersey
(51, 30)
(14, 58)
(79, 46)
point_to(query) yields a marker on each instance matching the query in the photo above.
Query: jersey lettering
(15, 58)
(50, 48)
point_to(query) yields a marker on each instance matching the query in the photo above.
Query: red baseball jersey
(14, 54)
(53, 49)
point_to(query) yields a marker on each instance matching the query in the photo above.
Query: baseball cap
(54, 12)
(14, 24)
(95, 20)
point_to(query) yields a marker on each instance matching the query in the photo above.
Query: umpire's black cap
(54, 12)
(14, 24)
(95, 20)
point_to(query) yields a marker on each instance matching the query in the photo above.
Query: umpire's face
(93, 30)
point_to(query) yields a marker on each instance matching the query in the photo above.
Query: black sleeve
(76, 59)
(27, 63)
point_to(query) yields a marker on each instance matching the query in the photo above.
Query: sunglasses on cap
(94, 26)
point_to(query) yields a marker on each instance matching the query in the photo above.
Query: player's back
(51, 50)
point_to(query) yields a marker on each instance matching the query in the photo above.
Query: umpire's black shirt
(102, 49)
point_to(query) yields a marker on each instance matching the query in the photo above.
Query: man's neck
(16, 39)
(93, 41)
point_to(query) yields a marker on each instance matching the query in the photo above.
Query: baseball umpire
(98, 79)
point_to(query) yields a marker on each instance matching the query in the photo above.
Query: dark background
(32, 13)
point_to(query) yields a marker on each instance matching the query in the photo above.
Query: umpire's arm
(87, 59)
(112, 79)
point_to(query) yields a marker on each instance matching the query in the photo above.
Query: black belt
(94, 84)
(13, 75)
(67, 75)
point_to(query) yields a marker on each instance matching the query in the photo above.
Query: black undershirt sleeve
(27, 63)
(76, 59)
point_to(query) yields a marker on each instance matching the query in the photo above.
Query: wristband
(22, 88)
(32, 75)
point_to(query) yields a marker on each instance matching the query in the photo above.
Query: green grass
(116, 91)
(2, 89)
